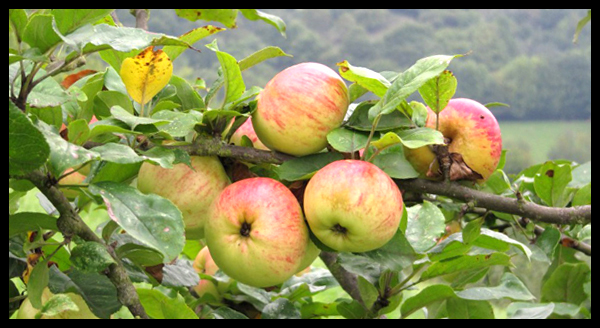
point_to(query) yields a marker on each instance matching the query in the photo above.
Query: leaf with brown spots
(146, 74)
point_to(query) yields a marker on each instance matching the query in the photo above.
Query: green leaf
(133, 121)
(151, 219)
(160, 306)
(364, 77)
(27, 147)
(410, 81)
(303, 168)
(347, 141)
(368, 292)
(465, 262)
(105, 100)
(393, 162)
(582, 22)
(254, 14)
(466, 309)
(532, 311)
(95, 288)
(426, 223)
(419, 137)
(499, 242)
(425, 297)
(472, 231)
(38, 281)
(185, 95)
(30, 221)
(351, 309)
(551, 182)
(438, 91)
(118, 153)
(191, 37)
(38, 32)
(17, 20)
(260, 56)
(57, 304)
(510, 287)
(548, 241)
(225, 16)
(566, 284)
(234, 82)
(91, 257)
(64, 154)
(359, 119)
(281, 308)
(78, 132)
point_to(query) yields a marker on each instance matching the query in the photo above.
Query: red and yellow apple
(257, 234)
(73, 178)
(474, 142)
(203, 263)
(353, 206)
(192, 191)
(299, 107)
(247, 130)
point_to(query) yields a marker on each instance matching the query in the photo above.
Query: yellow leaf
(146, 74)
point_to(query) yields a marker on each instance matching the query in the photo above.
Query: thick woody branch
(70, 224)
(532, 211)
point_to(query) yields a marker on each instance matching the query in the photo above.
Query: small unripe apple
(474, 142)
(203, 263)
(257, 234)
(191, 190)
(299, 107)
(353, 206)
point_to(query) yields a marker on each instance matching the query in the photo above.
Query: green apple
(27, 311)
(353, 206)
(191, 190)
(257, 234)
(299, 107)
(474, 142)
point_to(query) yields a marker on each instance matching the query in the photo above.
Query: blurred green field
(532, 142)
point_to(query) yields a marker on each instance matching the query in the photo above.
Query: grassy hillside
(531, 142)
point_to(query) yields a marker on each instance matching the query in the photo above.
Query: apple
(74, 178)
(474, 142)
(299, 107)
(247, 129)
(27, 311)
(257, 234)
(191, 190)
(203, 263)
(352, 206)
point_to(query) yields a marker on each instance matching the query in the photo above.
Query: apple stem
(375, 123)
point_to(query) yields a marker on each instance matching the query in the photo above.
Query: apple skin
(474, 134)
(299, 107)
(257, 234)
(192, 191)
(353, 206)
(27, 311)
(247, 129)
(74, 178)
(204, 263)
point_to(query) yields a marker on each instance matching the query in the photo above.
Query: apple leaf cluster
(84, 240)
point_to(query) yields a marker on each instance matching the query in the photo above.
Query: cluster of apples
(256, 230)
